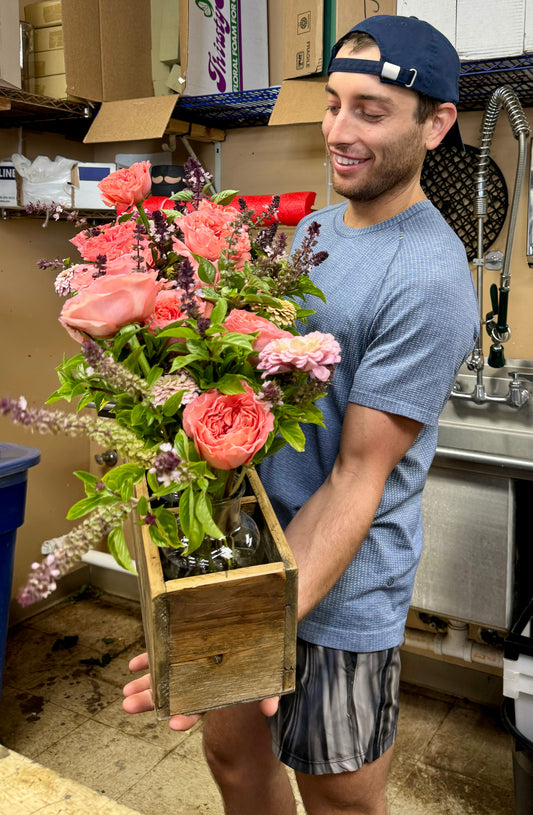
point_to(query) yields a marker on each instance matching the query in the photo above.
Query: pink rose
(109, 303)
(208, 228)
(113, 240)
(167, 309)
(240, 321)
(126, 187)
(311, 353)
(83, 275)
(228, 430)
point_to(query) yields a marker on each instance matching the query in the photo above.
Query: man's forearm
(327, 532)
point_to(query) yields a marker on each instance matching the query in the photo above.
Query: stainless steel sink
(491, 428)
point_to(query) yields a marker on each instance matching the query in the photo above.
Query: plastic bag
(45, 181)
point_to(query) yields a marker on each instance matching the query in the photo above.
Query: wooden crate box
(218, 639)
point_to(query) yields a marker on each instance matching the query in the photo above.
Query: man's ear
(439, 123)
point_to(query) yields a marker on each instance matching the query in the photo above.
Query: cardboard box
(47, 39)
(54, 86)
(9, 45)
(301, 101)
(528, 28)
(440, 13)
(43, 13)
(107, 49)
(168, 42)
(312, 27)
(85, 186)
(47, 63)
(228, 50)
(8, 184)
(485, 31)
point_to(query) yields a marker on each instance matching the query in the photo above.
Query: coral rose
(84, 275)
(311, 353)
(110, 303)
(240, 321)
(167, 309)
(207, 230)
(228, 430)
(112, 240)
(126, 187)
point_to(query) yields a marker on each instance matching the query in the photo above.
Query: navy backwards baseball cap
(414, 55)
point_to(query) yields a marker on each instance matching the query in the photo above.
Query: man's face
(375, 145)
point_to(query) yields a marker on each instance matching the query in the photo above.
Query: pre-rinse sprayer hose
(503, 97)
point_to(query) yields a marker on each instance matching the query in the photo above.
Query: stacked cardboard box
(47, 60)
(165, 46)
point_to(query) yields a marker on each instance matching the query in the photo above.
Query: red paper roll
(293, 206)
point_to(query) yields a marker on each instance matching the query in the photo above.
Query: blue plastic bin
(14, 463)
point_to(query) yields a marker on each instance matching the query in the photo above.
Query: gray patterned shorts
(343, 712)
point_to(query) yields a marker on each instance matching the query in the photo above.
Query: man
(401, 302)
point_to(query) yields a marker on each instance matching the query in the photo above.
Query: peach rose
(207, 229)
(167, 309)
(228, 430)
(84, 275)
(240, 321)
(110, 303)
(112, 240)
(126, 187)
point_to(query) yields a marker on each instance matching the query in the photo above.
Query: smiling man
(401, 303)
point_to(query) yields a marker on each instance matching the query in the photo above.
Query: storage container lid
(14, 458)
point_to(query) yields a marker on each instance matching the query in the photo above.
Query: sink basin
(492, 428)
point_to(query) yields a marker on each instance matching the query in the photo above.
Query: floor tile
(472, 741)
(29, 723)
(143, 726)
(433, 791)
(102, 758)
(115, 623)
(176, 786)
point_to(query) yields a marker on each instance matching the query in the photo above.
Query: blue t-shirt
(402, 304)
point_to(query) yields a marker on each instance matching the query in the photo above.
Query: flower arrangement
(190, 363)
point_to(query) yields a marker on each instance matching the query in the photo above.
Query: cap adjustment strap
(386, 70)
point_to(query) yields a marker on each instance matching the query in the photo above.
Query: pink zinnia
(312, 353)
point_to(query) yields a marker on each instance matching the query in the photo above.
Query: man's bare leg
(358, 793)
(238, 750)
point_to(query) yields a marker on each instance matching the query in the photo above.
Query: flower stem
(144, 217)
(143, 362)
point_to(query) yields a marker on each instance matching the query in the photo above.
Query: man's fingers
(183, 722)
(138, 702)
(137, 685)
(139, 663)
(269, 706)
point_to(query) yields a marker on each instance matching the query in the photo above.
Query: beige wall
(258, 160)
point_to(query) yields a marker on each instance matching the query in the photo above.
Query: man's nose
(343, 129)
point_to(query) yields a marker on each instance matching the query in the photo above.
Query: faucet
(495, 321)
(516, 397)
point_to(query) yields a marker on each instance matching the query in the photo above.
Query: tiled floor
(62, 706)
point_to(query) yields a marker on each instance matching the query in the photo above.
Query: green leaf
(219, 312)
(170, 408)
(180, 331)
(306, 286)
(181, 195)
(204, 515)
(293, 433)
(229, 384)
(142, 506)
(86, 505)
(89, 480)
(206, 271)
(224, 197)
(116, 542)
(192, 528)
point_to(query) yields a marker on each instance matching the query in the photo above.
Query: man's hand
(138, 698)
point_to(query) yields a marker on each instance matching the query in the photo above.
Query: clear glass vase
(240, 546)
